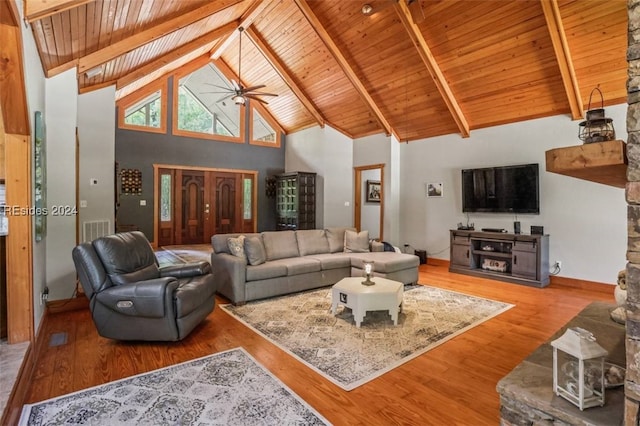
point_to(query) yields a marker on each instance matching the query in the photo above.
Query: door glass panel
(247, 198)
(165, 198)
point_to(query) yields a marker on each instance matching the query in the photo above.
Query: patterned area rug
(303, 326)
(228, 388)
(190, 253)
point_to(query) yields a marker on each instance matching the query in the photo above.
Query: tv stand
(515, 258)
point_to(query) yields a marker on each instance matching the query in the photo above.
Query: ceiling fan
(238, 93)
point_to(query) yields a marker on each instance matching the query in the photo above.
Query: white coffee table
(385, 295)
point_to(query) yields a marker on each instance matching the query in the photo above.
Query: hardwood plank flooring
(453, 384)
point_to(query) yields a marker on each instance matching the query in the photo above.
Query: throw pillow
(254, 250)
(236, 246)
(356, 242)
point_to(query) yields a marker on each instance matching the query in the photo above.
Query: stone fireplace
(632, 385)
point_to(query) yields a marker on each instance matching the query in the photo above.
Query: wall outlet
(558, 264)
(44, 296)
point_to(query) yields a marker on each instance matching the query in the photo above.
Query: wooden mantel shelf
(602, 162)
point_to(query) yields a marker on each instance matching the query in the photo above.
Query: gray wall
(140, 150)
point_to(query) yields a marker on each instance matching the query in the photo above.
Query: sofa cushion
(236, 246)
(254, 250)
(265, 271)
(356, 242)
(219, 241)
(312, 241)
(386, 262)
(335, 236)
(332, 260)
(299, 265)
(280, 244)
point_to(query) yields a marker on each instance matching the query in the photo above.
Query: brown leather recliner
(132, 298)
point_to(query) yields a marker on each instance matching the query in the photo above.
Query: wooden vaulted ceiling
(466, 64)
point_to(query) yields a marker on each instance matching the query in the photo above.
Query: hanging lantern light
(597, 127)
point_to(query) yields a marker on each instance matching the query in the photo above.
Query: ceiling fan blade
(229, 92)
(219, 87)
(224, 97)
(262, 94)
(250, 96)
(252, 88)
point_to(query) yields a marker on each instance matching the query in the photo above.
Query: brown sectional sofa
(296, 261)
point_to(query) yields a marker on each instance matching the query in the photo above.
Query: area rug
(190, 253)
(302, 325)
(228, 388)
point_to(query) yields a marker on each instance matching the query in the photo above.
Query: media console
(515, 258)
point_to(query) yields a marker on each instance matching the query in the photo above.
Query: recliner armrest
(186, 270)
(143, 299)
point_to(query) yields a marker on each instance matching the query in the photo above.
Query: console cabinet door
(461, 255)
(525, 260)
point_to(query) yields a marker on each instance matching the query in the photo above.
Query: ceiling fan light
(238, 100)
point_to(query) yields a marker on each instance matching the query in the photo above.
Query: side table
(384, 295)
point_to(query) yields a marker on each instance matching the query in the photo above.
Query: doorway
(194, 203)
(369, 209)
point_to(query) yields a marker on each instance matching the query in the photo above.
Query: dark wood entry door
(228, 200)
(193, 205)
(191, 200)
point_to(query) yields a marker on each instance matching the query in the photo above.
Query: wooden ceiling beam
(280, 68)
(155, 32)
(38, 9)
(253, 11)
(563, 56)
(343, 63)
(176, 54)
(432, 66)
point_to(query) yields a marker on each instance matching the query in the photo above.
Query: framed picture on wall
(373, 191)
(434, 189)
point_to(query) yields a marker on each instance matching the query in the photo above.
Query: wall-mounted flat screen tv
(505, 189)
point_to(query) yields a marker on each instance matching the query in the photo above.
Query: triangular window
(204, 106)
(264, 131)
(144, 109)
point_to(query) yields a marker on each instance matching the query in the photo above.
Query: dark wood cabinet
(516, 258)
(296, 201)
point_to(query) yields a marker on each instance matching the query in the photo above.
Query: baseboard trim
(582, 284)
(437, 262)
(66, 305)
(553, 280)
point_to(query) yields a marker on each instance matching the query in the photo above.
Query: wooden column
(17, 142)
(19, 241)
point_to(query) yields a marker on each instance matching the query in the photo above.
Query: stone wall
(632, 385)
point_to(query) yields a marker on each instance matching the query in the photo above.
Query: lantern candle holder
(596, 127)
(367, 272)
(578, 368)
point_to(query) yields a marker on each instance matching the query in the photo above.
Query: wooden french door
(194, 204)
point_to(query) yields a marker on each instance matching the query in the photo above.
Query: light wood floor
(453, 384)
